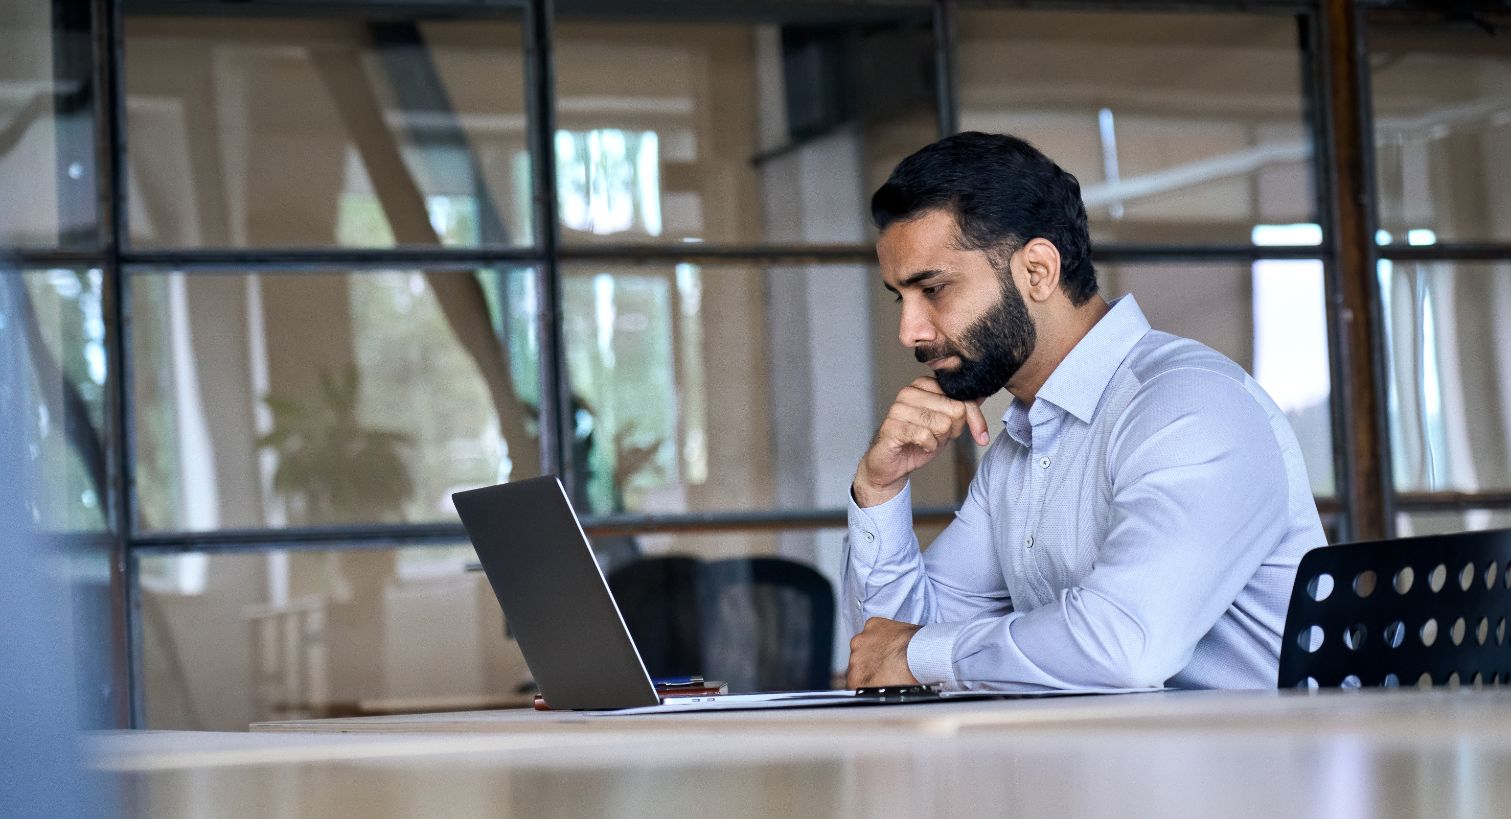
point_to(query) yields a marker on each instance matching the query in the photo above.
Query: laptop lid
(557, 602)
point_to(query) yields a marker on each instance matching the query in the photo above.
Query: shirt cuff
(872, 526)
(931, 654)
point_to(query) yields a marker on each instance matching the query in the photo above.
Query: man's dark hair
(1003, 192)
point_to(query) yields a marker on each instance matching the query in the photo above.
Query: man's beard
(1000, 341)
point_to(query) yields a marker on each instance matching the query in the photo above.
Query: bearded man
(1139, 523)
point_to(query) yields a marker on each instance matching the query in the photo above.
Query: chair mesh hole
(1403, 580)
(1477, 681)
(1482, 631)
(1364, 583)
(1453, 681)
(1319, 587)
(1466, 576)
(1491, 570)
(1456, 633)
(1310, 639)
(1352, 681)
(1429, 632)
(1437, 577)
(1395, 634)
(1424, 681)
(1391, 681)
(1500, 632)
(1353, 636)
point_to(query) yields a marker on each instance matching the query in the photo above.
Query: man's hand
(919, 424)
(879, 654)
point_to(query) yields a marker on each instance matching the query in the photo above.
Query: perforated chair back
(1413, 611)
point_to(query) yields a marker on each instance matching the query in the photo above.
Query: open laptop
(569, 629)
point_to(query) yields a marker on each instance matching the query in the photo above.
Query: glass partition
(319, 398)
(47, 163)
(1442, 129)
(255, 132)
(1182, 128)
(1448, 348)
(734, 133)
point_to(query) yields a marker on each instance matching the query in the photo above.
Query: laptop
(568, 627)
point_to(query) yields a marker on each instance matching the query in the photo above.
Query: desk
(1365, 754)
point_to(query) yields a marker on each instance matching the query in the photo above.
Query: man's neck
(1056, 338)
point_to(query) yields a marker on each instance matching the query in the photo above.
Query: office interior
(280, 277)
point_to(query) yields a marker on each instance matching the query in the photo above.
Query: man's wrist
(867, 495)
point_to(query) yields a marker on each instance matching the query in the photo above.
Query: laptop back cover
(555, 598)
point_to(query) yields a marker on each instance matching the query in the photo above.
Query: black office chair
(1418, 611)
(658, 599)
(768, 624)
(759, 624)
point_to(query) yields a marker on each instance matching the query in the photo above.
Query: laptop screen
(555, 598)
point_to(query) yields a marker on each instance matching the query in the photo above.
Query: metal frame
(548, 255)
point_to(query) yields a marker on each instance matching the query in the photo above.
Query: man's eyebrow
(915, 279)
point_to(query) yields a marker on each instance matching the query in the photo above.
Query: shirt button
(1029, 541)
(870, 537)
(1044, 463)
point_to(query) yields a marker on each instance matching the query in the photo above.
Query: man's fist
(919, 424)
(879, 654)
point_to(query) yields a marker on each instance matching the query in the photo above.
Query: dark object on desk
(1413, 611)
(762, 624)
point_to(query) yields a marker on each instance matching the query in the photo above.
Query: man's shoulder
(1163, 359)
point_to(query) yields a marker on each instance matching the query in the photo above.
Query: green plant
(331, 468)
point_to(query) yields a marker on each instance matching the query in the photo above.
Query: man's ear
(1041, 262)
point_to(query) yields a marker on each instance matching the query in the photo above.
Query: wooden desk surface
(1368, 753)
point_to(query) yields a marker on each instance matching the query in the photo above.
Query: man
(1140, 521)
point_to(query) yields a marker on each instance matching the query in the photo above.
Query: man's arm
(1200, 499)
(888, 581)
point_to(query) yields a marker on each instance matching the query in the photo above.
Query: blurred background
(287, 275)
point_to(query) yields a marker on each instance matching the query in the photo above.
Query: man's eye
(933, 291)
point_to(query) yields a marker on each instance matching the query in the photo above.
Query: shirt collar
(1077, 384)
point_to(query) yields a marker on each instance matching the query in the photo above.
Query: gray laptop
(560, 610)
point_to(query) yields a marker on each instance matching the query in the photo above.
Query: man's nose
(914, 328)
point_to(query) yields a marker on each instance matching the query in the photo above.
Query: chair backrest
(759, 624)
(768, 624)
(658, 599)
(1413, 611)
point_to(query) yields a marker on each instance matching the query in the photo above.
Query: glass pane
(731, 388)
(53, 441)
(314, 133)
(1269, 316)
(47, 177)
(1448, 349)
(326, 398)
(236, 638)
(57, 320)
(734, 133)
(1449, 521)
(1180, 128)
(1442, 115)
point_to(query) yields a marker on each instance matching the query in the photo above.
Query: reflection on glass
(1448, 346)
(233, 639)
(47, 196)
(1447, 522)
(734, 133)
(724, 388)
(1269, 317)
(1442, 118)
(1180, 128)
(55, 317)
(322, 398)
(313, 133)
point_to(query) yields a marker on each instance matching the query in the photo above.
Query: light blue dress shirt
(1138, 525)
